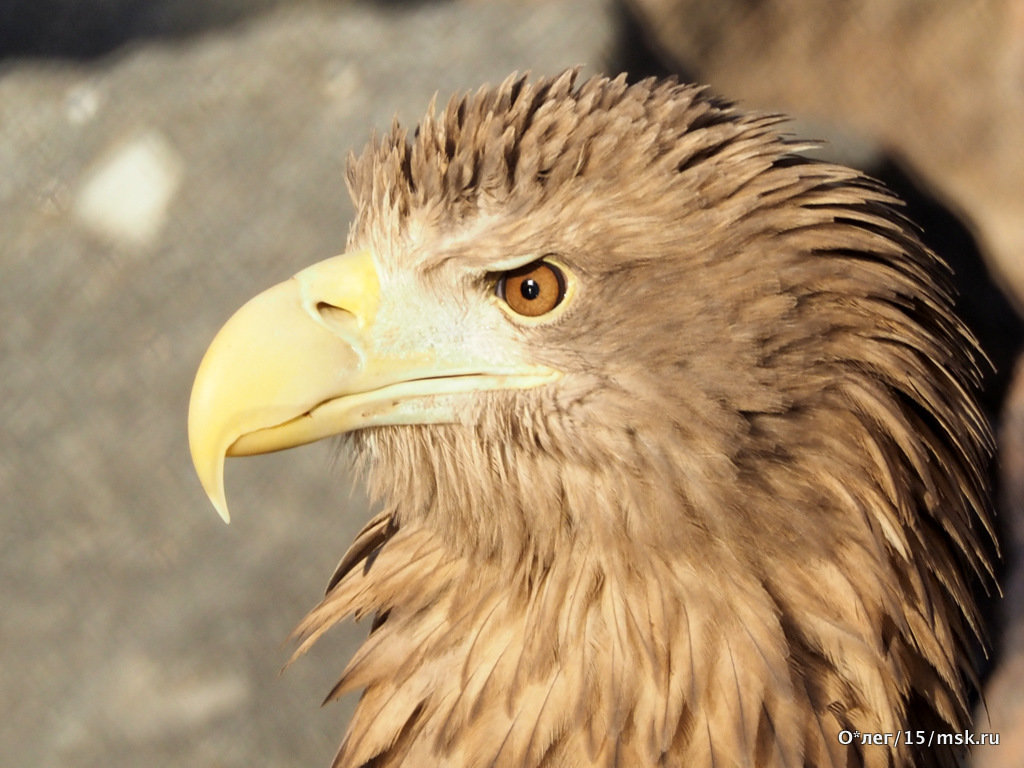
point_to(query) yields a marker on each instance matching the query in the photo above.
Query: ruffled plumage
(753, 511)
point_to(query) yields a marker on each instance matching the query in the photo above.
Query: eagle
(671, 429)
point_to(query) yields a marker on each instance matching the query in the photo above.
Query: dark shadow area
(980, 302)
(632, 52)
(68, 29)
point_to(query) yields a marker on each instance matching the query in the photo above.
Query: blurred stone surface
(136, 628)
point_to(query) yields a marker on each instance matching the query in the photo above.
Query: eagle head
(672, 431)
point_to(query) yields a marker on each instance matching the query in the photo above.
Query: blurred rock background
(163, 160)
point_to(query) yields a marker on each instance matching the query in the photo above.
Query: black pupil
(530, 288)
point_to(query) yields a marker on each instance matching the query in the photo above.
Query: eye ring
(532, 290)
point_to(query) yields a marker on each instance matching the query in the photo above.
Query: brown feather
(752, 512)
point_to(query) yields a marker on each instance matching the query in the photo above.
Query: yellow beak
(302, 361)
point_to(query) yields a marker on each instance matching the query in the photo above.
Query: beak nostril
(334, 317)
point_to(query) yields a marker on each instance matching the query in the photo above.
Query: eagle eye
(532, 290)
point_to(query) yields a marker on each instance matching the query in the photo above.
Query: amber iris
(534, 289)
